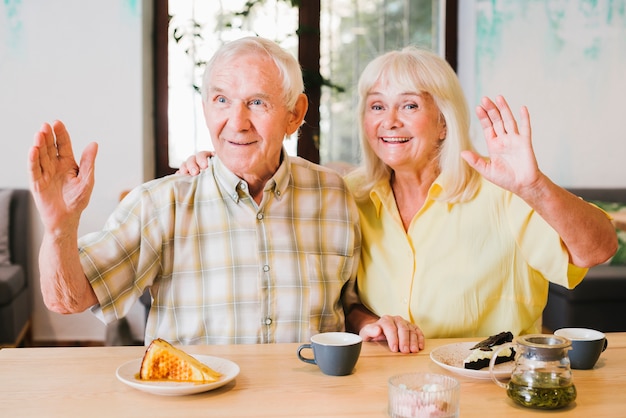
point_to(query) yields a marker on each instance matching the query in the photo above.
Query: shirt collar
(281, 178)
(382, 194)
(237, 188)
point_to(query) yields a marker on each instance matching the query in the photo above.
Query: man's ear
(297, 114)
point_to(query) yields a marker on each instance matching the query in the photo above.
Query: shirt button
(259, 216)
(266, 268)
(242, 186)
(268, 321)
(277, 192)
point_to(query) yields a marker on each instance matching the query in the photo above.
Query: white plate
(128, 373)
(451, 357)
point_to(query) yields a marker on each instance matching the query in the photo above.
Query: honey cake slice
(163, 361)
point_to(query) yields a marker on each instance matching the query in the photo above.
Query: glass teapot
(542, 377)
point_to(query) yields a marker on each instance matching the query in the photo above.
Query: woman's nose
(391, 119)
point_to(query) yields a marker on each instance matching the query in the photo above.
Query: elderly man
(256, 249)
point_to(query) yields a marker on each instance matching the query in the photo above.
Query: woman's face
(404, 128)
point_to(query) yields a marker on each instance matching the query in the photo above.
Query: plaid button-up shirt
(222, 269)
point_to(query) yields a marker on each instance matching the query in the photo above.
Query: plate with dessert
(167, 370)
(471, 359)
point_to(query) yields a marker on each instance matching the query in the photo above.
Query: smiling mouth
(395, 140)
(241, 143)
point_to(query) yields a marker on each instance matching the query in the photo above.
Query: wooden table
(81, 382)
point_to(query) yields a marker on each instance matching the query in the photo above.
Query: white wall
(566, 61)
(87, 64)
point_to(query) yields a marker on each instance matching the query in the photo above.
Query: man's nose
(239, 117)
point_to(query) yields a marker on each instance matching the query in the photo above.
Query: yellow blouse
(462, 270)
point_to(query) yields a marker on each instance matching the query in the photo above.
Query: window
(352, 32)
(196, 31)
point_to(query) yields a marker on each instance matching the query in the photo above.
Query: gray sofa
(600, 300)
(15, 273)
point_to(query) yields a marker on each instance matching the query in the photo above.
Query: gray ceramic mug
(587, 345)
(335, 353)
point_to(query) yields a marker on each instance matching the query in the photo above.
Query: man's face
(246, 115)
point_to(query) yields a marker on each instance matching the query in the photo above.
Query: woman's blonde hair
(422, 71)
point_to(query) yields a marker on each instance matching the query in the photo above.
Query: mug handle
(305, 359)
(606, 344)
(492, 363)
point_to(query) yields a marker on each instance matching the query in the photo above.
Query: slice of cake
(482, 352)
(163, 361)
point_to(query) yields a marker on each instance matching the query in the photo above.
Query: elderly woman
(457, 244)
(454, 244)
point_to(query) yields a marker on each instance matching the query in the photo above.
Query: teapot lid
(545, 346)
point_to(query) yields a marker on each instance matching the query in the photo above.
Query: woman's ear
(444, 129)
(297, 114)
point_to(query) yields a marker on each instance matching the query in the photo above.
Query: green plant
(188, 34)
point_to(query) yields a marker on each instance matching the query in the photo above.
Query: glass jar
(541, 377)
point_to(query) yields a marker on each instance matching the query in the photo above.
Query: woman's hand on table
(400, 334)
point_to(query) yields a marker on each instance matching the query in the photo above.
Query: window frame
(309, 41)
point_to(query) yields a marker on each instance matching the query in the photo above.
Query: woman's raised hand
(511, 163)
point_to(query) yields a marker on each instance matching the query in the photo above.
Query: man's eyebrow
(215, 89)
(264, 96)
(259, 95)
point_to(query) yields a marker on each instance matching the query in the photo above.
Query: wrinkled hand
(61, 188)
(511, 164)
(400, 334)
(196, 163)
